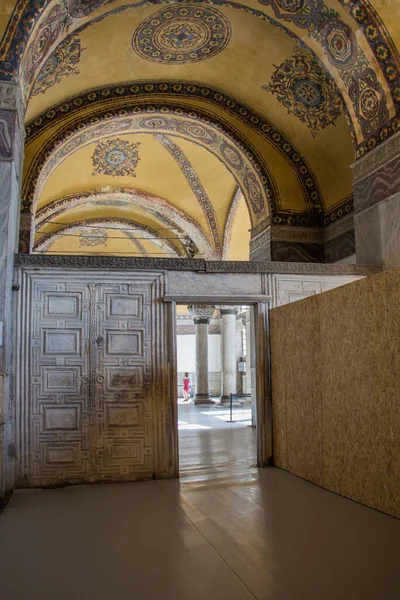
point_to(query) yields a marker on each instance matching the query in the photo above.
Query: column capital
(201, 313)
(227, 310)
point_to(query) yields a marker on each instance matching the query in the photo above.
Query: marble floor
(225, 531)
(228, 450)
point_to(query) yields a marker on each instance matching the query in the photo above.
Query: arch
(155, 118)
(43, 244)
(175, 219)
(122, 94)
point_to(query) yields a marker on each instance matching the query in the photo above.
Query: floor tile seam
(208, 542)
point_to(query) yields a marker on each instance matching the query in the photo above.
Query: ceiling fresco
(221, 109)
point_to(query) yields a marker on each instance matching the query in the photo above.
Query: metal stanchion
(231, 403)
(236, 397)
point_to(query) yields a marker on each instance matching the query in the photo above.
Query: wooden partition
(336, 389)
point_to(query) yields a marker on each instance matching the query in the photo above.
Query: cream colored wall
(239, 247)
(336, 389)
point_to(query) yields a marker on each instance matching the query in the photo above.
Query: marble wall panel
(340, 393)
(207, 284)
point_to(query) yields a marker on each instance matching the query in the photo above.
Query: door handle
(100, 340)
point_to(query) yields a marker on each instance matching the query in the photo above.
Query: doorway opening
(216, 393)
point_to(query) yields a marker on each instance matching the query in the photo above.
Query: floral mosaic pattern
(116, 157)
(307, 91)
(93, 237)
(82, 8)
(182, 34)
(62, 63)
(49, 31)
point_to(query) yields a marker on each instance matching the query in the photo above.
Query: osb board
(295, 379)
(335, 357)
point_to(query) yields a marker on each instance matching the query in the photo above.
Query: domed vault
(205, 129)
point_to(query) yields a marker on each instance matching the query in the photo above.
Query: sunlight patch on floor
(182, 425)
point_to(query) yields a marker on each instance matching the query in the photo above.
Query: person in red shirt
(187, 385)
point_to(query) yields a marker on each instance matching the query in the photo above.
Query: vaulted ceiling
(172, 129)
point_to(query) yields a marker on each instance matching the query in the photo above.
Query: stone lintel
(31, 262)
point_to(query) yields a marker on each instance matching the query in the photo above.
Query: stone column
(376, 188)
(247, 387)
(201, 315)
(11, 155)
(228, 352)
(251, 345)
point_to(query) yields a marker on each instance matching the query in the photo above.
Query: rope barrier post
(230, 407)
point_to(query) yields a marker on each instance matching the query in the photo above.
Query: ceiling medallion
(307, 91)
(116, 157)
(182, 34)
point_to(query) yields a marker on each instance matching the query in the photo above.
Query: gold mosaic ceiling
(166, 121)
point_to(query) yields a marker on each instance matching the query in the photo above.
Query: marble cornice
(338, 228)
(376, 158)
(11, 99)
(37, 261)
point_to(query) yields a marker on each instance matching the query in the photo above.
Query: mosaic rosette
(307, 91)
(182, 34)
(116, 157)
(339, 43)
(63, 62)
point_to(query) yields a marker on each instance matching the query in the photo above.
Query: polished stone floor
(227, 449)
(225, 531)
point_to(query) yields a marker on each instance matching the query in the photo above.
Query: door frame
(263, 375)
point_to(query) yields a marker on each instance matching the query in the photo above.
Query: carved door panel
(55, 441)
(91, 380)
(122, 372)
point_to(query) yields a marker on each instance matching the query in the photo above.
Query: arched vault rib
(175, 219)
(154, 119)
(196, 186)
(165, 245)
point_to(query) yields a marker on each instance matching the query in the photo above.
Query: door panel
(89, 360)
(124, 423)
(57, 432)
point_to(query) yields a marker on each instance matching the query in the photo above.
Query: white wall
(186, 350)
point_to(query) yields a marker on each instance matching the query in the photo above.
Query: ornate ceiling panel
(275, 93)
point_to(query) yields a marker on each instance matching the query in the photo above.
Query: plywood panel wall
(336, 390)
